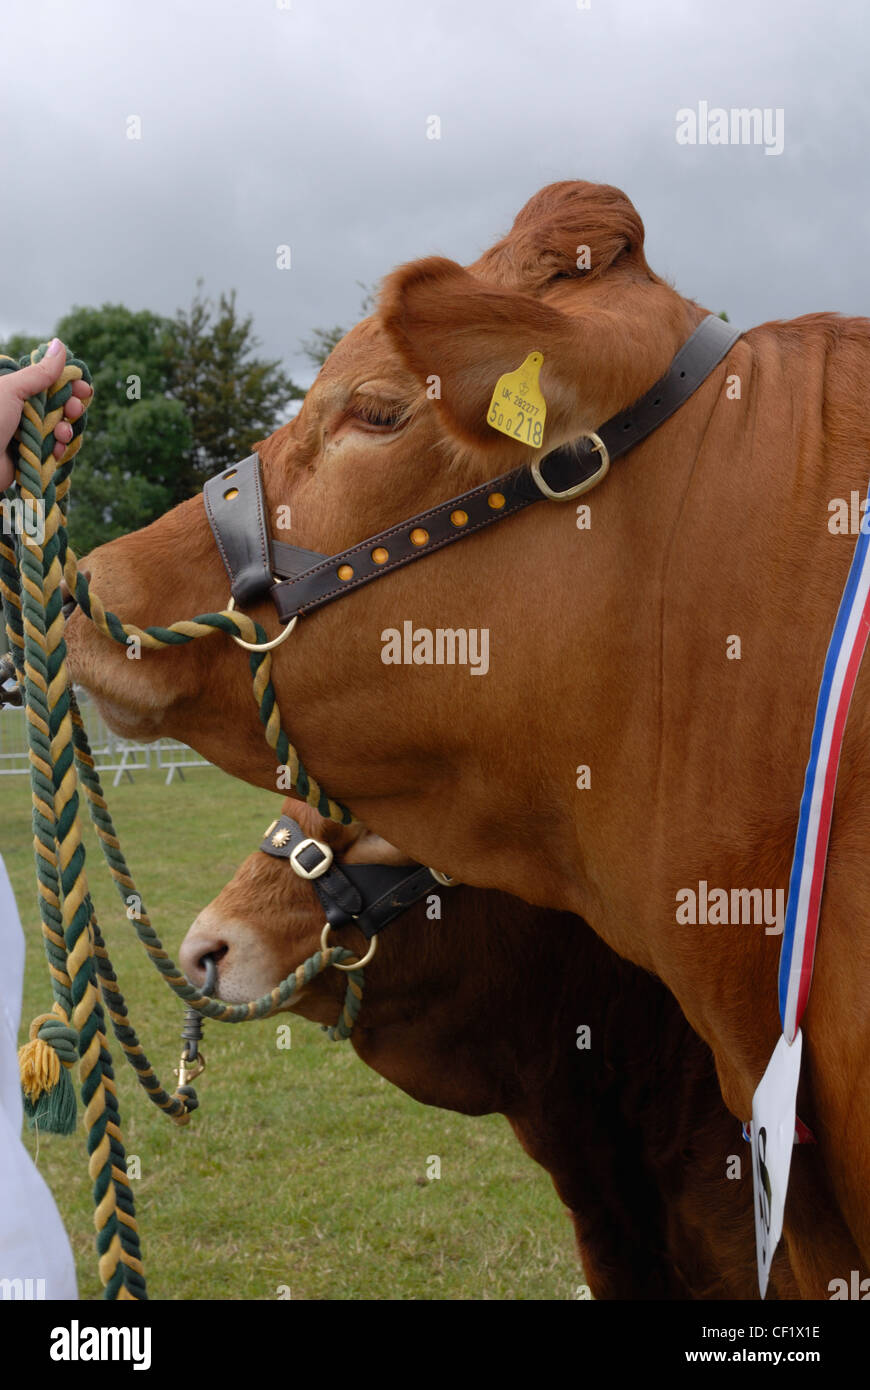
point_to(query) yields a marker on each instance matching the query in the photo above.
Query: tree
(135, 433)
(20, 344)
(232, 399)
(175, 400)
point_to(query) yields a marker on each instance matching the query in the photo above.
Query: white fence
(120, 756)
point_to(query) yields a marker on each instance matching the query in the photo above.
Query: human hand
(15, 387)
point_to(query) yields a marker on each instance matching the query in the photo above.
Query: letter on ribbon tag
(774, 1107)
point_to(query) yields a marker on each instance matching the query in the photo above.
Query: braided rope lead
(63, 897)
(59, 754)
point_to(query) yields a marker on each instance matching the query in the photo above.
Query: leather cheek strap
(236, 512)
(422, 534)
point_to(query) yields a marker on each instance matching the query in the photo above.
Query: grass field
(302, 1168)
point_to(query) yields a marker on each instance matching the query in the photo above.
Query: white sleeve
(33, 1243)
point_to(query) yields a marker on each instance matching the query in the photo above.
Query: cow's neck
(716, 780)
(609, 648)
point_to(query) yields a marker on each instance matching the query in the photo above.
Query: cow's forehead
(364, 354)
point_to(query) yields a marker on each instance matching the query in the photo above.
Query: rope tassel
(45, 1063)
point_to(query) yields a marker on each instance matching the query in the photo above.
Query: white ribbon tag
(774, 1107)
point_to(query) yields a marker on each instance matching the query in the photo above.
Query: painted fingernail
(54, 347)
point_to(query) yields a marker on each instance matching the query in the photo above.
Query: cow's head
(444, 1007)
(395, 422)
(268, 919)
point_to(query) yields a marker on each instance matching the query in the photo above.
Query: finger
(82, 389)
(63, 433)
(28, 381)
(73, 408)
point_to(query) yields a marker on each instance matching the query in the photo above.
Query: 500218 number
(531, 431)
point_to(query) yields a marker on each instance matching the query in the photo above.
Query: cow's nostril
(216, 954)
(194, 953)
(209, 965)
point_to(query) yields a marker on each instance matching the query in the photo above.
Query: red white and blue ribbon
(842, 664)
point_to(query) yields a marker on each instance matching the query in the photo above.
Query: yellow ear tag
(518, 408)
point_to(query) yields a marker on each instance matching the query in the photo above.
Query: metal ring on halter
(586, 484)
(262, 646)
(354, 965)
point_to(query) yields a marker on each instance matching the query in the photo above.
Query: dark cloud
(307, 126)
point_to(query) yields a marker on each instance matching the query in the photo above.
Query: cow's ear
(458, 334)
(568, 231)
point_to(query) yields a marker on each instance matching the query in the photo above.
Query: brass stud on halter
(354, 964)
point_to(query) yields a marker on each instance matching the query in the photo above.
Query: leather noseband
(367, 895)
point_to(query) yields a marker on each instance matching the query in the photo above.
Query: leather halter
(301, 581)
(367, 895)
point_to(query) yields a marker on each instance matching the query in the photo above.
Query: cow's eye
(382, 416)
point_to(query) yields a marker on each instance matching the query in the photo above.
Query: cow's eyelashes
(378, 415)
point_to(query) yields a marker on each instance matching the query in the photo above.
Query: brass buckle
(578, 488)
(318, 869)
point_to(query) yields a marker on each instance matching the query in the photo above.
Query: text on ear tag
(518, 408)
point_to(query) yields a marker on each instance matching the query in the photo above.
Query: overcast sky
(304, 122)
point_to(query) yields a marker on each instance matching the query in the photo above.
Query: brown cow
(479, 1012)
(608, 646)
